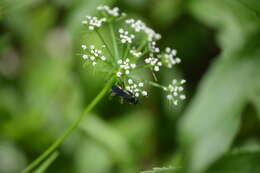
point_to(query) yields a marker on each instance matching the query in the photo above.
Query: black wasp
(126, 95)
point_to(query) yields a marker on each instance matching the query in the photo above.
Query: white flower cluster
(92, 54)
(138, 26)
(125, 36)
(125, 67)
(153, 48)
(131, 51)
(154, 62)
(111, 11)
(93, 22)
(169, 57)
(175, 90)
(136, 88)
(135, 53)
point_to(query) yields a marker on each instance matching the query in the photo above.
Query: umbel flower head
(131, 48)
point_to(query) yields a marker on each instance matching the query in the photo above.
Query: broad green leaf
(212, 120)
(163, 14)
(111, 140)
(91, 157)
(255, 98)
(162, 170)
(237, 163)
(234, 21)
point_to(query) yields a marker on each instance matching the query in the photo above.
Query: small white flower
(93, 22)
(133, 65)
(119, 61)
(147, 60)
(178, 60)
(180, 88)
(119, 74)
(130, 81)
(125, 36)
(125, 66)
(168, 57)
(183, 81)
(182, 97)
(93, 54)
(92, 58)
(85, 56)
(156, 68)
(135, 53)
(141, 84)
(121, 31)
(136, 88)
(84, 46)
(154, 62)
(169, 97)
(103, 58)
(144, 93)
(168, 50)
(174, 91)
(84, 22)
(111, 11)
(138, 26)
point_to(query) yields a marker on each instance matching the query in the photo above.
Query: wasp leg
(121, 100)
(113, 94)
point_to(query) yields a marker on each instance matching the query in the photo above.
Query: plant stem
(59, 141)
(114, 40)
(44, 166)
(126, 51)
(103, 40)
(155, 84)
(142, 45)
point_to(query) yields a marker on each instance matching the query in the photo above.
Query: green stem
(44, 166)
(59, 141)
(142, 45)
(103, 40)
(155, 84)
(114, 40)
(126, 51)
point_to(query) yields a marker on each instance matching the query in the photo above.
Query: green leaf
(212, 120)
(162, 170)
(235, 22)
(111, 140)
(238, 163)
(91, 157)
(255, 98)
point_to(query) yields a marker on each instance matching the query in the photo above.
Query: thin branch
(114, 40)
(70, 129)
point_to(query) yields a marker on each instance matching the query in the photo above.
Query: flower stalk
(70, 129)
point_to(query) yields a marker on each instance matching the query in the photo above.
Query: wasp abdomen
(126, 95)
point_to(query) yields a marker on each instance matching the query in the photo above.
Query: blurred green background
(44, 86)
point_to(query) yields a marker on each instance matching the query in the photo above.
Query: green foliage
(161, 170)
(43, 88)
(213, 119)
